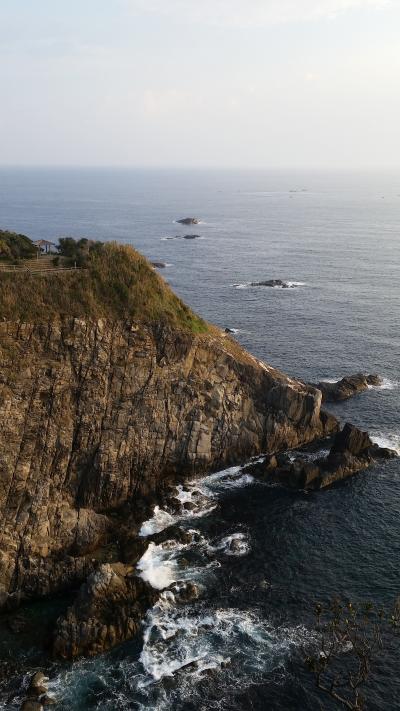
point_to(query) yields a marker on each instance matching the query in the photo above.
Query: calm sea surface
(338, 238)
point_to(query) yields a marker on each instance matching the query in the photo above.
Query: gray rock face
(347, 387)
(97, 415)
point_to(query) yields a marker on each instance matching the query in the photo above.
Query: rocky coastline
(99, 417)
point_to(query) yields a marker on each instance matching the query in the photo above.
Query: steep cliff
(99, 408)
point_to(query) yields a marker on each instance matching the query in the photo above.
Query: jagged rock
(185, 592)
(352, 451)
(347, 387)
(262, 468)
(158, 265)
(351, 440)
(108, 610)
(189, 221)
(174, 532)
(98, 414)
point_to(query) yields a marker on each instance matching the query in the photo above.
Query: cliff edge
(110, 387)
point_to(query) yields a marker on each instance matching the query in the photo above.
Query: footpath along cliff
(111, 389)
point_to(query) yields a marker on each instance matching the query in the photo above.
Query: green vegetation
(79, 251)
(14, 247)
(116, 282)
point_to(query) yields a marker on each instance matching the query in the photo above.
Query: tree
(349, 639)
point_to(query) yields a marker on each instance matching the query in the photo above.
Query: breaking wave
(391, 440)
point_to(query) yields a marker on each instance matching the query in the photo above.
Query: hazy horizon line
(199, 168)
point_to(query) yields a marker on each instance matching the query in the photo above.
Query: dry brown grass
(118, 284)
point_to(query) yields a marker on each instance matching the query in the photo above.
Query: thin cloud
(251, 12)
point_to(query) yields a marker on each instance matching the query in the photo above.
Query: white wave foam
(192, 639)
(236, 544)
(161, 519)
(391, 440)
(200, 494)
(158, 565)
(386, 384)
(230, 478)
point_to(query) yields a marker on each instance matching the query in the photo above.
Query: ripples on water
(340, 242)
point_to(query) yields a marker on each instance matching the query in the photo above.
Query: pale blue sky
(256, 83)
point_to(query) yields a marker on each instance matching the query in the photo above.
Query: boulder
(191, 236)
(158, 265)
(108, 610)
(347, 387)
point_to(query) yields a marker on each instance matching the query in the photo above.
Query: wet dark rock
(172, 533)
(191, 236)
(159, 265)
(230, 330)
(262, 468)
(235, 545)
(185, 592)
(283, 459)
(189, 221)
(347, 387)
(274, 283)
(188, 506)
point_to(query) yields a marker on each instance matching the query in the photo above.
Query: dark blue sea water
(338, 236)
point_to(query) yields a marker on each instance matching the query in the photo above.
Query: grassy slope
(14, 246)
(118, 283)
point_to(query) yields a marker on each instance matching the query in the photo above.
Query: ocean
(336, 238)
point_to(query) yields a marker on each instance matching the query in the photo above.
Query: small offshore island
(112, 392)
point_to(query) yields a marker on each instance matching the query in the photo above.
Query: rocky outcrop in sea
(348, 386)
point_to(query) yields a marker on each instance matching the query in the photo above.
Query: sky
(200, 83)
